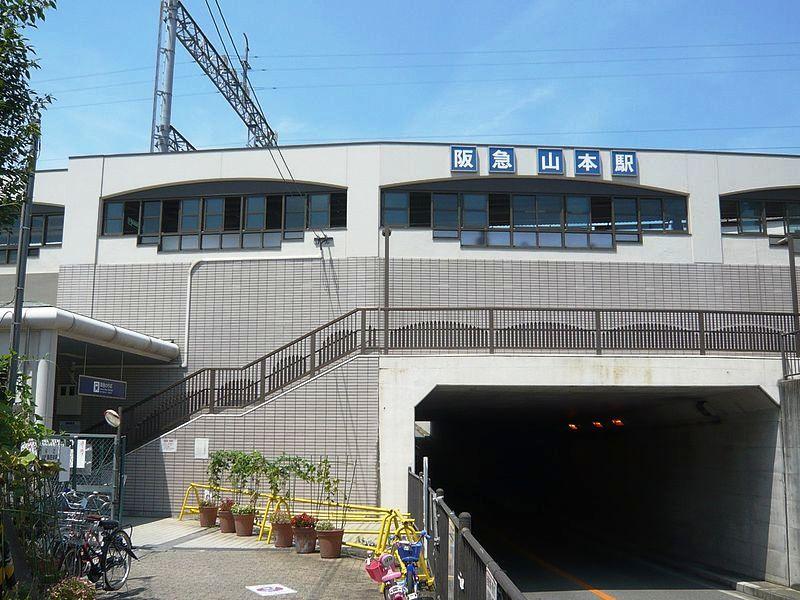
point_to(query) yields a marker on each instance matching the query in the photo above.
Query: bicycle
(385, 570)
(95, 547)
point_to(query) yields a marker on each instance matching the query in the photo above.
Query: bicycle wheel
(73, 562)
(116, 559)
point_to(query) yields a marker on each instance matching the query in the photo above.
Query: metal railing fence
(461, 566)
(457, 329)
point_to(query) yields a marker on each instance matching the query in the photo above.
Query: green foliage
(243, 509)
(281, 517)
(20, 106)
(73, 588)
(220, 461)
(326, 526)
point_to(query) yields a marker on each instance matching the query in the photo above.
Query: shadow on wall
(710, 493)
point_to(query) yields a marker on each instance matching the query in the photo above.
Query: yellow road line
(562, 573)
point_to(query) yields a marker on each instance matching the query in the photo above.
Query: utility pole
(387, 232)
(163, 91)
(22, 266)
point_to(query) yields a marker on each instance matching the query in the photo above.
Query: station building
(580, 321)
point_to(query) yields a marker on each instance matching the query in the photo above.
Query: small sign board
(102, 387)
(201, 448)
(491, 585)
(271, 589)
(169, 445)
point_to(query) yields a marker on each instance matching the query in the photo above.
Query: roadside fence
(461, 567)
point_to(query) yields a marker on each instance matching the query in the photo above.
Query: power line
(230, 37)
(214, 20)
(528, 63)
(531, 50)
(121, 84)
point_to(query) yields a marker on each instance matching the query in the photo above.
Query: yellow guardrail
(390, 524)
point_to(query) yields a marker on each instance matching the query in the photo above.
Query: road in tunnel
(693, 475)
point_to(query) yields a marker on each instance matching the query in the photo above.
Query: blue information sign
(587, 162)
(104, 388)
(551, 161)
(464, 159)
(502, 159)
(624, 164)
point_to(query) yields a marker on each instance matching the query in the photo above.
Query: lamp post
(114, 419)
(387, 232)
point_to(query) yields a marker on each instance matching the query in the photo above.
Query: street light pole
(387, 232)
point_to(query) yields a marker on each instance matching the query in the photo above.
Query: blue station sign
(101, 387)
(549, 161)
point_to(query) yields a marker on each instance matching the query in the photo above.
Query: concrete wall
(790, 421)
(333, 415)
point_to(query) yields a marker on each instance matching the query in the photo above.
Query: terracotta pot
(208, 516)
(330, 543)
(244, 524)
(305, 539)
(283, 535)
(226, 524)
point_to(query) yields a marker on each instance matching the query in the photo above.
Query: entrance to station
(567, 487)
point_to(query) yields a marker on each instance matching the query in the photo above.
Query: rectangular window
(675, 218)
(113, 218)
(499, 211)
(601, 214)
(729, 216)
(274, 212)
(37, 230)
(254, 213)
(474, 213)
(625, 217)
(395, 209)
(473, 238)
(750, 216)
(793, 217)
(54, 231)
(651, 215)
(170, 212)
(577, 213)
(233, 214)
(774, 216)
(294, 218)
(151, 218)
(420, 209)
(319, 207)
(190, 216)
(213, 215)
(548, 212)
(339, 210)
(524, 212)
(445, 211)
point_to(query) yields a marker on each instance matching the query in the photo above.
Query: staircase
(456, 330)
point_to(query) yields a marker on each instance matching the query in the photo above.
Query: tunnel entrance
(570, 488)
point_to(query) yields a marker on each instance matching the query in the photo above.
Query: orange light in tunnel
(597, 424)
(617, 422)
(573, 427)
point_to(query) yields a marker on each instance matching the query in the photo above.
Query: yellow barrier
(391, 523)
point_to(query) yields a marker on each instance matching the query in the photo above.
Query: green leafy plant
(326, 526)
(73, 588)
(219, 462)
(243, 509)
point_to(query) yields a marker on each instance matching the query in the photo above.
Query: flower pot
(226, 524)
(330, 543)
(305, 539)
(244, 524)
(283, 535)
(208, 516)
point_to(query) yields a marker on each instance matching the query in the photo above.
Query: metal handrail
(493, 328)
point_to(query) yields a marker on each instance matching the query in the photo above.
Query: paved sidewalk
(179, 559)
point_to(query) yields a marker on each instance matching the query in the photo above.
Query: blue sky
(547, 72)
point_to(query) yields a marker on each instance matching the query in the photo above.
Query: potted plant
(305, 536)
(219, 460)
(208, 512)
(226, 522)
(282, 529)
(243, 517)
(330, 539)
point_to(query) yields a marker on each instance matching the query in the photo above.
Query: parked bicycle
(93, 546)
(386, 570)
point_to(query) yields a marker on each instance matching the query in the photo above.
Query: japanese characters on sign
(464, 159)
(587, 162)
(501, 160)
(624, 164)
(549, 161)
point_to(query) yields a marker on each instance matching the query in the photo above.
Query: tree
(20, 106)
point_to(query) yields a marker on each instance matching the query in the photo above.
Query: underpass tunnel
(691, 474)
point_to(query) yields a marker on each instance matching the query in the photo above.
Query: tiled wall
(335, 414)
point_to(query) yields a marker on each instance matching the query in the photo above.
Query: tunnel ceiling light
(617, 422)
(597, 424)
(573, 427)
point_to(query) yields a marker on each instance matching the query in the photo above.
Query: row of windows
(758, 217)
(224, 222)
(524, 220)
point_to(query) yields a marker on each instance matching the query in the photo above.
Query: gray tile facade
(335, 414)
